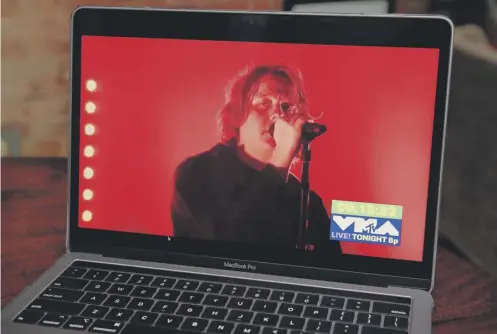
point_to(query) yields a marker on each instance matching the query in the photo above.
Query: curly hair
(240, 91)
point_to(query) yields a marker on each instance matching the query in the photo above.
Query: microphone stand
(310, 132)
(304, 197)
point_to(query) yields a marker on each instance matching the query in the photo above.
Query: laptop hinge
(262, 268)
(420, 285)
(137, 255)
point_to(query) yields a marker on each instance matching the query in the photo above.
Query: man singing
(241, 189)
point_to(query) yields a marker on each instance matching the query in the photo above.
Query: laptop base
(420, 308)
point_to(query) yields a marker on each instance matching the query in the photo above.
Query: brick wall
(35, 64)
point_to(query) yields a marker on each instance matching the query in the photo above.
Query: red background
(157, 100)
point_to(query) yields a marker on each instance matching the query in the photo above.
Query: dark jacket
(217, 196)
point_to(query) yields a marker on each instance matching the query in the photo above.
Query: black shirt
(217, 196)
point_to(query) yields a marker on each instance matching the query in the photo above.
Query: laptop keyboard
(105, 298)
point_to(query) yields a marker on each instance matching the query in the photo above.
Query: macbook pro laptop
(196, 205)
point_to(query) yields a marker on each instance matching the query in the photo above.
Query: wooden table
(33, 237)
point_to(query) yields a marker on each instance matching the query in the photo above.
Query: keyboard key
(334, 302)
(143, 292)
(169, 295)
(292, 322)
(291, 309)
(53, 320)
(97, 275)
(191, 297)
(396, 322)
(369, 319)
(97, 286)
(346, 329)
(316, 312)
(393, 309)
(118, 277)
(121, 289)
(74, 272)
(140, 280)
(165, 307)
(106, 327)
(266, 319)
(78, 323)
(117, 301)
(194, 324)
(282, 296)
(215, 313)
(304, 298)
(118, 314)
(29, 317)
(93, 298)
(214, 300)
(318, 326)
(142, 329)
(263, 306)
(92, 311)
(62, 294)
(358, 305)
(69, 283)
(163, 282)
(269, 330)
(190, 310)
(258, 293)
(234, 290)
(210, 287)
(345, 316)
(186, 285)
(240, 303)
(247, 329)
(378, 330)
(219, 327)
(55, 306)
(240, 316)
(144, 318)
(141, 304)
(169, 321)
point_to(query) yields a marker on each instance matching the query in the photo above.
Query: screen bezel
(289, 4)
(402, 31)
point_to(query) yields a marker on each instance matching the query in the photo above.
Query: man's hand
(287, 135)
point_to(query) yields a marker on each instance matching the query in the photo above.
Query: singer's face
(273, 97)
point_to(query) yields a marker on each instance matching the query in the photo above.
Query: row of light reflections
(89, 150)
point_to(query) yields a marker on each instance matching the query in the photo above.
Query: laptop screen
(210, 140)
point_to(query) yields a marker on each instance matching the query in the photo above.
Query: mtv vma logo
(366, 223)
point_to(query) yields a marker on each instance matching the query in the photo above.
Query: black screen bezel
(289, 4)
(426, 32)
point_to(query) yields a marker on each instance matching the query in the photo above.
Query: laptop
(196, 205)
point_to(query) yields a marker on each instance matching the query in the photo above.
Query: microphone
(312, 130)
